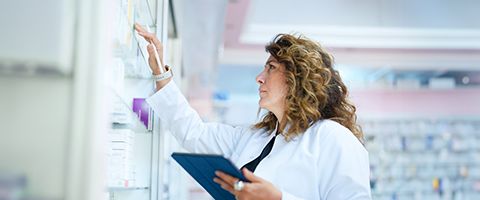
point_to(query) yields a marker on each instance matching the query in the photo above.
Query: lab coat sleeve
(348, 175)
(288, 196)
(185, 124)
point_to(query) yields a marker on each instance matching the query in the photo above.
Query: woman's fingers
(141, 30)
(152, 61)
(227, 178)
(258, 188)
(151, 38)
(251, 176)
(144, 33)
(226, 181)
(224, 185)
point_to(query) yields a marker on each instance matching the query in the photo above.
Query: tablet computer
(202, 168)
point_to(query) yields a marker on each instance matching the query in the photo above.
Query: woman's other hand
(258, 188)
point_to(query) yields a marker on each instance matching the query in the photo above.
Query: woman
(307, 146)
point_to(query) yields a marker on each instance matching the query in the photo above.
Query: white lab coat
(326, 162)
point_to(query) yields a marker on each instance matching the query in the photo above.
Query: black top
(252, 165)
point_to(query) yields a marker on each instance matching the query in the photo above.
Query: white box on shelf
(120, 138)
(408, 84)
(441, 83)
(121, 145)
(120, 112)
(125, 134)
(121, 167)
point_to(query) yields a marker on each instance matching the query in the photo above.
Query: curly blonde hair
(315, 89)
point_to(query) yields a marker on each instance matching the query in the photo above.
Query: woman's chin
(261, 104)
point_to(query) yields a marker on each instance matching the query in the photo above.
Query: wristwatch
(163, 76)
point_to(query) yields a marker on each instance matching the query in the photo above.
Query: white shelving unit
(143, 163)
(60, 90)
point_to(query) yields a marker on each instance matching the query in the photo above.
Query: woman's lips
(262, 93)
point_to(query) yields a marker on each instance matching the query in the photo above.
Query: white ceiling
(367, 13)
(409, 34)
(428, 38)
(430, 24)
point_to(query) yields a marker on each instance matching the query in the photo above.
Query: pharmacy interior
(76, 125)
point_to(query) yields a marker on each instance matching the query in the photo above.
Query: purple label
(142, 109)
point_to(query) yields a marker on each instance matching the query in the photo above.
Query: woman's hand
(152, 61)
(258, 188)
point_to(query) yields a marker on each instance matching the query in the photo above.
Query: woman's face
(273, 87)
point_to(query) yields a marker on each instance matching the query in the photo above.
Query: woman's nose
(260, 79)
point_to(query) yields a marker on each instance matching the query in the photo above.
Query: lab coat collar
(276, 128)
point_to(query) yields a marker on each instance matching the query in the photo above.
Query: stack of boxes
(120, 152)
(121, 168)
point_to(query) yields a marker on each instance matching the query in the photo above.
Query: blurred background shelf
(424, 158)
(126, 189)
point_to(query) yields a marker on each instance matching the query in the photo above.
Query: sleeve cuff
(164, 100)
